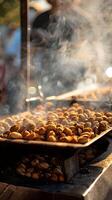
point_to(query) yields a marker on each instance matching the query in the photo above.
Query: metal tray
(55, 144)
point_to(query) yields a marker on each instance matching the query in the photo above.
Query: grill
(86, 167)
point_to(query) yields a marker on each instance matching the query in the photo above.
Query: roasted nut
(65, 122)
(87, 111)
(40, 158)
(86, 116)
(95, 123)
(74, 139)
(64, 108)
(51, 138)
(51, 133)
(66, 114)
(66, 139)
(14, 128)
(9, 120)
(51, 127)
(49, 105)
(58, 109)
(39, 137)
(88, 125)
(79, 131)
(91, 119)
(36, 130)
(15, 135)
(62, 135)
(110, 120)
(73, 118)
(59, 128)
(6, 134)
(25, 160)
(30, 170)
(61, 118)
(99, 119)
(54, 178)
(35, 176)
(43, 166)
(74, 129)
(58, 171)
(29, 124)
(28, 174)
(81, 117)
(25, 133)
(87, 129)
(88, 134)
(30, 136)
(2, 136)
(2, 130)
(21, 171)
(15, 118)
(5, 125)
(98, 114)
(96, 129)
(83, 139)
(61, 178)
(67, 131)
(72, 112)
(22, 129)
(108, 114)
(22, 165)
(35, 162)
(80, 110)
(92, 135)
(42, 131)
(50, 113)
(80, 125)
(103, 125)
(40, 123)
(105, 118)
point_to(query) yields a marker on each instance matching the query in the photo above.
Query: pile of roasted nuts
(74, 124)
(97, 95)
(41, 168)
(88, 155)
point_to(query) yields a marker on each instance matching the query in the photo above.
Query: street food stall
(57, 144)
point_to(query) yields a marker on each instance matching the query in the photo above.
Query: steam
(73, 51)
(75, 47)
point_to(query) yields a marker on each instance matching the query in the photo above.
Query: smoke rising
(75, 45)
(70, 48)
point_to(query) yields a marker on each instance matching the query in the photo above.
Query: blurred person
(55, 36)
(15, 75)
(12, 47)
(17, 92)
(2, 80)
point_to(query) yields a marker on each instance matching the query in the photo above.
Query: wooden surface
(10, 192)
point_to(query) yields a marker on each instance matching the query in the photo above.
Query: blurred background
(10, 47)
(70, 45)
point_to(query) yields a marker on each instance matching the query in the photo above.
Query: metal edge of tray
(55, 144)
